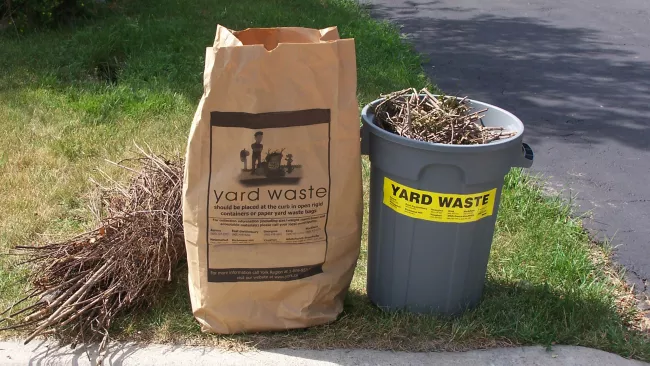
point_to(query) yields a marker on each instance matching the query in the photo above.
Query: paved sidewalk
(14, 353)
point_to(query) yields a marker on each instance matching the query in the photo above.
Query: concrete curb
(15, 353)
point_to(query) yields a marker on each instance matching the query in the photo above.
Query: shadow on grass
(509, 314)
(146, 57)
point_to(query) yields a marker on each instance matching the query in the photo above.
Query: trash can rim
(368, 120)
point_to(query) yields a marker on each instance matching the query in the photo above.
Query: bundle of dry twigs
(81, 284)
(444, 120)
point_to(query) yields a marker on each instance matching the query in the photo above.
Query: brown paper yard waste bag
(272, 191)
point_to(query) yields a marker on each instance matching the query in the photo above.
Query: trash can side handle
(526, 158)
(365, 139)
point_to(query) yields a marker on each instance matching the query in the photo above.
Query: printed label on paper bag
(269, 186)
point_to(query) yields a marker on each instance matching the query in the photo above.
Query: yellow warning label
(440, 207)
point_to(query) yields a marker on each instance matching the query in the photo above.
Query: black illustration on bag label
(276, 167)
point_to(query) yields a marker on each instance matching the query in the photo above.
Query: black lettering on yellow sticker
(439, 207)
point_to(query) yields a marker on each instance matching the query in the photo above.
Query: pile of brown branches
(439, 119)
(79, 285)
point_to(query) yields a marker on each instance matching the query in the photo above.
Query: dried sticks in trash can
(439, 119)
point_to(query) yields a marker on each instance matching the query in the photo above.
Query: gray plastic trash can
(432, 213)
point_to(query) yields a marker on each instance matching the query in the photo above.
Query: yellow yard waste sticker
(439, 207)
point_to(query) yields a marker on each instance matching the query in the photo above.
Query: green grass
(70, 98)
(547, 284)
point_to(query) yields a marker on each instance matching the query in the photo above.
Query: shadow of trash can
(433, 208)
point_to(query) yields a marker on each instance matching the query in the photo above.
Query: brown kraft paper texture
(272, 190)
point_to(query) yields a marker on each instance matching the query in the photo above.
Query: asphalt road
(577, 73)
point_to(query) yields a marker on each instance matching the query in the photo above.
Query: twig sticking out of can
(438, 119)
